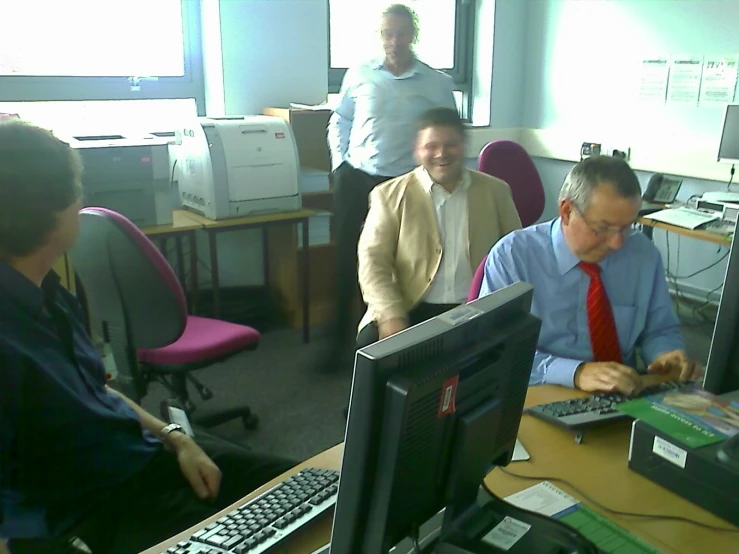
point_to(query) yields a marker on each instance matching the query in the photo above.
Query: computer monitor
(432, 409)
(722, 370)
(728, 150)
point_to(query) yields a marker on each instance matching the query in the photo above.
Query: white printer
(238, 166)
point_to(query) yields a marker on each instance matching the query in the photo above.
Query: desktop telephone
(661, 189)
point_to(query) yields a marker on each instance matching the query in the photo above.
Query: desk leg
(193, 271)
(214, 277)
(180, 261)
(265, 255)
(306, 283)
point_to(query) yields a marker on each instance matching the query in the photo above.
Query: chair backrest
(131, 290)
(476, 284)
(507, 160)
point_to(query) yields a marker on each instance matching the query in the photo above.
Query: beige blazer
(400, 246)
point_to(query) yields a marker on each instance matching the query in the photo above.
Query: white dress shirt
(451, 283)
(373, 127)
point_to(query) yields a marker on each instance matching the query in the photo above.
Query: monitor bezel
(723, 130)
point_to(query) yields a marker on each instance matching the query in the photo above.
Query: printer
(129, 175)
(238, 166)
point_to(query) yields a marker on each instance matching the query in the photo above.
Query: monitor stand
(484, 531)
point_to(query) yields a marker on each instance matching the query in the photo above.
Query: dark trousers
(370, 334)
(350, 206)
(159, 503)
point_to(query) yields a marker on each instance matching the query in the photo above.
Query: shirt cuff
(656, 348)
(561, 371)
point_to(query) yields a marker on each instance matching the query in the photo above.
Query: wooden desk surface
(700, 234)
(597, 466)
(182, 221)
(251, 220)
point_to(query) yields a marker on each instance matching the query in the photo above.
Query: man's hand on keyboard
(607, 377)
(676, 365)
(199, 470)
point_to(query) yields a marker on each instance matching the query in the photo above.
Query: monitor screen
(728, 150)
(722, 370)
(432, 409)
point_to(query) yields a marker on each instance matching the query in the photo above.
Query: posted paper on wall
(653, 79)
(685, 80)
(719, 80)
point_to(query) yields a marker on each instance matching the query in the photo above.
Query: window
(100, 50)
(445, 38)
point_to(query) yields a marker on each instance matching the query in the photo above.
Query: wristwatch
(171, 428)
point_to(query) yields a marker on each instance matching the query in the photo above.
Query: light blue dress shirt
(374, 124)
(634, 279)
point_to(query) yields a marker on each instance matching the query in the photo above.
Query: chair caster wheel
(250, 421)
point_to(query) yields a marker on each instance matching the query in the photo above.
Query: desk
(213, 228)
(182, 225)
(597, 466)
(700, 234)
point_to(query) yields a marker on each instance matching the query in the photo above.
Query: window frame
(463, 51)
(16, 88)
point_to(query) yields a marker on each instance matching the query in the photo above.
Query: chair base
(177, 384)
(248, 418)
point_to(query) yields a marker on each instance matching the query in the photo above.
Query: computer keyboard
(580, 413)
(265, 521)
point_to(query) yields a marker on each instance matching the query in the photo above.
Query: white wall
(259, 53)
(581, 81)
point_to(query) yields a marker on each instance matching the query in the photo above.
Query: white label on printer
(507, 533)
(669, 452)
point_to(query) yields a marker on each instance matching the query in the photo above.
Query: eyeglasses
(604, 231)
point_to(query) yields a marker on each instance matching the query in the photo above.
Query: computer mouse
(729, 453)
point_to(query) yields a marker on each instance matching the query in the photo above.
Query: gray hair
(591, 172)
(401, 10)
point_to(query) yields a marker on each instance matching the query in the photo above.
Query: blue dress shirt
(65, 442)
(634, 279)
(373, 127)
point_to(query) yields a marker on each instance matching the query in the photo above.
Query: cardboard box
(309, 129)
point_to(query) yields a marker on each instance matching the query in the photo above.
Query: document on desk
(520, 454)
(682, 217)
(551, 501)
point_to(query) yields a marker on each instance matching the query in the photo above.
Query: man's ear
(565, 211)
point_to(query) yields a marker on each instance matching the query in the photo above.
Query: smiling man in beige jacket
(428, 230)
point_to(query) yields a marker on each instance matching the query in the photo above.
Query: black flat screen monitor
(432, 410)
(722, 370)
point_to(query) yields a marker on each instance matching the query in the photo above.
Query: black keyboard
(267, 520)
(581, 413)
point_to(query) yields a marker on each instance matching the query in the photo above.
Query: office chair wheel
(250, 421)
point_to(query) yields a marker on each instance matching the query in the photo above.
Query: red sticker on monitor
(448, 396)
(280, 135)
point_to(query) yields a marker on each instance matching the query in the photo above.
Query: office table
(700, 234)
(597, 467)
(214, 227)
(182, 225)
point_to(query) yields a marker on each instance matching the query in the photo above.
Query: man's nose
(616, 241)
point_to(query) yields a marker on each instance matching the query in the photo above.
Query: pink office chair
(507, 160)
(476, 284)
(137, 303)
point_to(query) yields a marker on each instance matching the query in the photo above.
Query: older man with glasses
(599, 288)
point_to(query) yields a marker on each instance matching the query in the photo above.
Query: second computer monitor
(722, 370)
(432, 409)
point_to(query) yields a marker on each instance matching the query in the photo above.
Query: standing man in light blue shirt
(371, 135)
(598, 204)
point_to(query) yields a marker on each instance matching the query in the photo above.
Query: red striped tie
(602, 327)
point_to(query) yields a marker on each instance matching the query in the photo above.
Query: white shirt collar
(427, 182)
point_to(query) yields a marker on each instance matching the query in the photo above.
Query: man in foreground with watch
(82, 467)
(599, 287)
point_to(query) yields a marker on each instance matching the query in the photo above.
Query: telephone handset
(661, 189)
